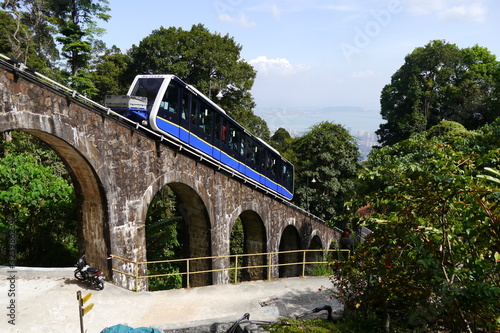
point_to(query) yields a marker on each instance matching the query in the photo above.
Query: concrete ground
(49, 304)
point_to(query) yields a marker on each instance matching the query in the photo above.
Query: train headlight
(144, 123)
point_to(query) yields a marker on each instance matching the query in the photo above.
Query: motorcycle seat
(92, 270)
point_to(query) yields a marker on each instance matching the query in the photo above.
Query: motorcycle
(86, 273)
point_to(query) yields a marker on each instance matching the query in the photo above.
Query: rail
(326, 256)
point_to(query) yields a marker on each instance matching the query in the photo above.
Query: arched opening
(178, 227)
(59, 210)
(315, 258)
(248, 236)
(290, 241)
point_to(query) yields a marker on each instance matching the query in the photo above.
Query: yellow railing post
(269, 263)
(304, 263)
(187, 273)
(136, 276)
(236, 269)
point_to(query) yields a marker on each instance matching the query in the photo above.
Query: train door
(251, 158)
(230, 144)
(169, 109)
(218, 132)
(184, 115)
(271, 169)
(202, 126)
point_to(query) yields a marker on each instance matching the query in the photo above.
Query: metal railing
(308, 257)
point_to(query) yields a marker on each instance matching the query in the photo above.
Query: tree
(37, 196)
(329, 155)
(26, 33)
(281, 139)
(210, 62)
(439, 82)
(431, 261)
(164, 239)
(75, 21)
(110, 75)
(40, 206)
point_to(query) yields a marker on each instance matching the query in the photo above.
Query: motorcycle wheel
(79, 276)
(100, 285)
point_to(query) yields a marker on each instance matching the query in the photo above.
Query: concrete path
(50, 304)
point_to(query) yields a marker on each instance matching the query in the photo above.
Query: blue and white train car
(169, 106)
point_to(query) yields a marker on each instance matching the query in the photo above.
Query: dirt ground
(50, 304)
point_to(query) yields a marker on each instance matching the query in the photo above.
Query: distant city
(360, 122)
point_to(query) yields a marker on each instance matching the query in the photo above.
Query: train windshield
(147, 87)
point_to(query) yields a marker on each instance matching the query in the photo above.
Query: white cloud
(279, 66)
(275, 11)
(471, 13)
(450, 10)
(426, 7)
(363, 74)
(242, 20)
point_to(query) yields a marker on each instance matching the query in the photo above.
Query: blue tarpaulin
(126, 329)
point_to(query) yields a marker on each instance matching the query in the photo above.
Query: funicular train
(167, 105)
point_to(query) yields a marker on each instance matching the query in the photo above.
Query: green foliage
(298, 326)
(77, 28)
(436, 82)
(110, 76)
(329, 155)
(431, 259)
(281, 140)
(41, 206)
(237, 246)
(25, 33)
(45, 221)
(164, 240)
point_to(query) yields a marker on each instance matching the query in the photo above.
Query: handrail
(269, 255)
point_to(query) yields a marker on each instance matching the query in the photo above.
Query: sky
(329, 59)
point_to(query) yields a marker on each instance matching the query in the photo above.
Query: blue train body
(169, 106)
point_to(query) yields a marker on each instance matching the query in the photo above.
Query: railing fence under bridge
(300, 260)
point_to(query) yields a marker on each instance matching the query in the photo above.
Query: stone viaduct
(117, 169)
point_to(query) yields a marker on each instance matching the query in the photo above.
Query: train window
(287, 175)
(224, 135)
(251, 151)
(147, 87)
(248, 151)
(257, 153)
(205, 120)
(184, 104)
(263, 160)
(234, 138)
(271, 165)
(195, 103)
(274, 167)
(242, 146)
(170, 100)
(217, 127)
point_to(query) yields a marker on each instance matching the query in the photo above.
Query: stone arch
(92, 208)
(255, 241)
(197, 238)
(290, 241)
(314, 256)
